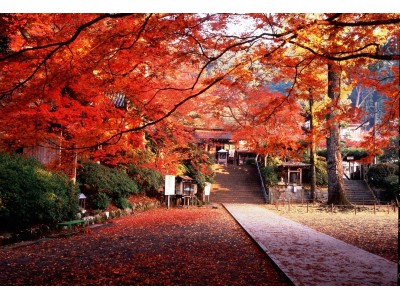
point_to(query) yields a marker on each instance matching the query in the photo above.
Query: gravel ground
(195, 246)
(374, 232)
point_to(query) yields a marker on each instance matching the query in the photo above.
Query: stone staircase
(236, 184)
(357, 192)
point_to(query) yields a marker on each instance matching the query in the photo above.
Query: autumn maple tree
(340, 43)
(105, 84)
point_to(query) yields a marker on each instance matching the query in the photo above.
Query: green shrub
(391, 185)
(378, 173)
(270, 175)
(199, 177)
(97, 180)
(123, 203)
(148, 180)
(321, 172)
(29, 194)
(100, 200)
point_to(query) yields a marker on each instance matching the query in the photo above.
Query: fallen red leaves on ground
(196, 246)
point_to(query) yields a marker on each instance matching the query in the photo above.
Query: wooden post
(332, 208)
(355, 209)
(302, 196)
(307, 206)
(388, 208)
(301, 177)
(374, 208)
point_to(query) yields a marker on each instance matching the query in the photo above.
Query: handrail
(372, 192)
(261, 181)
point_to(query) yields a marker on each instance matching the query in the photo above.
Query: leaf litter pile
(196, 246)
(374, 232)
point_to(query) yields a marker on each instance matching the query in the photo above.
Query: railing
(377, 201)
(264, 190)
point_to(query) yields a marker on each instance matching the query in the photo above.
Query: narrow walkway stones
(309, 257)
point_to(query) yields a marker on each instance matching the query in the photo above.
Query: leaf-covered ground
(374, 232)
(196, 246)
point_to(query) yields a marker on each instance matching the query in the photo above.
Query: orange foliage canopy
(110, 83)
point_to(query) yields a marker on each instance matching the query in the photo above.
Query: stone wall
(294, 194)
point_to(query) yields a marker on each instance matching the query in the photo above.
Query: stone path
(309, 257)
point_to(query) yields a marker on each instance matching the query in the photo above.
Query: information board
(169, 185)
(207, 189)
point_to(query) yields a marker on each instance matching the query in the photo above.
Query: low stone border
(42, 231)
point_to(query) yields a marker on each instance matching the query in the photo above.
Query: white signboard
(207, 189)
(169, 185)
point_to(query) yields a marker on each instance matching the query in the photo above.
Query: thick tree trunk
(336, 190)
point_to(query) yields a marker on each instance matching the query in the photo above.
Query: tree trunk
(336, 190)
(313, 173)
(313, 179)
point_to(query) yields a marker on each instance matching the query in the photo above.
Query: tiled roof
(295, 164)
(212, 135)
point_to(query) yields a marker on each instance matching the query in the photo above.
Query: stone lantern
(222, 157)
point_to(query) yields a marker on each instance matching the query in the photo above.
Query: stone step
(357, 192)
(236, 184)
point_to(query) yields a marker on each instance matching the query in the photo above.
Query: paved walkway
(309, 257)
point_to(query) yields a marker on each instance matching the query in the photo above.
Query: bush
(100, 200)
(199, 167)
(123, 203)
(200, 176)
(385, 176)
(321, 172)
(97, 181)
(29, 194)
(148, 180)
(391, 185)
(270, 175)
(378, 173)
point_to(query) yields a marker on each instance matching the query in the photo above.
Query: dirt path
(196, 246)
